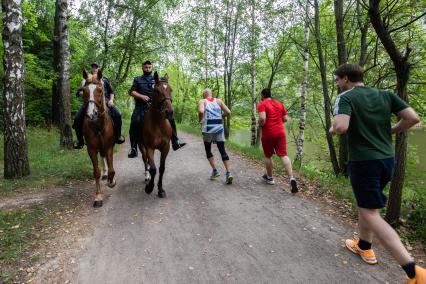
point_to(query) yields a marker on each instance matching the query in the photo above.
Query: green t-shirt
(369, 132)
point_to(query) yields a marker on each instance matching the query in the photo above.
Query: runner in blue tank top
(210, 117)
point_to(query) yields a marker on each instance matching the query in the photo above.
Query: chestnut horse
(98, 131)
(156, 133)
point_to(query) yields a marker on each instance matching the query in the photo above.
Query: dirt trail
(208, 232)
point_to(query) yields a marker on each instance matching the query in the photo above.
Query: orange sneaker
(367, 255)
(420, 276)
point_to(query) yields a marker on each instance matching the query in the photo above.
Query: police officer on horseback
(113, 110)
(142, 90)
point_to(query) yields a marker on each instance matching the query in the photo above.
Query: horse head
(93, 95)
(162, 100)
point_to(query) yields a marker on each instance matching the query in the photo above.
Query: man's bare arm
(340, 124)
(408, 118)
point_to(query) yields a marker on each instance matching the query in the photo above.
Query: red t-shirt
(275, 110)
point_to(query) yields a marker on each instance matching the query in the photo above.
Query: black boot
(175, 140)
(116, 120)
(80, 140)
(120, 139)
(133, 153)
(133, 134)
(176, 144)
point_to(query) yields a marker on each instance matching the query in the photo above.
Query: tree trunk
(63, 69)
(363, 26)
(215, 52)
(16, 162)
(229, 49)
(327, 105)
(253, 74)
(341, 55)
(402, 70)
(105, 35)
(302, 119)
(206, 45)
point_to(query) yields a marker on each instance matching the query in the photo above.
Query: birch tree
(342, 58)
(16, 162)
(253, 47)
(304, 90)
(232, 22)
(62, 68)
(325, 92)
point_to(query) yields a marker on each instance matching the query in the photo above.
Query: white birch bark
(304, 90)
(16, 162)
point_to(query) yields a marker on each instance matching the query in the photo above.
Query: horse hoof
(112, 184)
(148, 189)
(104, 177)
(162, 194)
(97, 204)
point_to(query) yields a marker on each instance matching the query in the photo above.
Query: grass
(26, 234)
(19, 232)
(50, 165)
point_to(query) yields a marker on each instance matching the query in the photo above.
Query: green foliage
(38, 53)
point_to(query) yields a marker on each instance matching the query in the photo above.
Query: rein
(162, 109)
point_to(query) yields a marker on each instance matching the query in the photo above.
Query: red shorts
(277, 145)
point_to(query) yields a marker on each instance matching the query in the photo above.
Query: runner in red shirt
(272, 114)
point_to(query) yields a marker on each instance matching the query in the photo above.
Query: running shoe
(229, 178)
(420, 277)
(293, 184)
(215, 174)
(367, 255)
(268, 180)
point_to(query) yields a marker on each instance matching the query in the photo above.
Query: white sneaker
(268, 180)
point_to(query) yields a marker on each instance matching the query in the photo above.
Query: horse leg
(111, 172)
(147, 174)
(161, 191)
(97, 174)
(104, 169)
(152, 171)
(145, 162)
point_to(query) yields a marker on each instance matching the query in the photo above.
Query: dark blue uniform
(114, 111)
(145, 85)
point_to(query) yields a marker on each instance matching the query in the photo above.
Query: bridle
(97, 104)
(162, 106)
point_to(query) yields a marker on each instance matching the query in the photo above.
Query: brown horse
(156, 133)
(98, 131)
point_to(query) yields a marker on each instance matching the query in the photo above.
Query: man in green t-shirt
(365, 115)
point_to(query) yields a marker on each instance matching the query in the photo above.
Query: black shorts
(368, 179)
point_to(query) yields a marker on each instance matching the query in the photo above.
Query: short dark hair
(147, 63)
(266, 93)
(354, 72)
